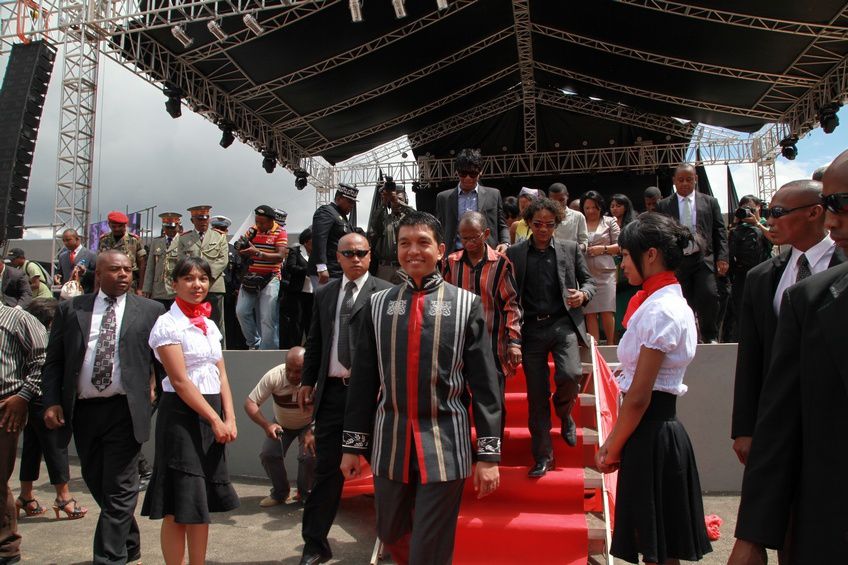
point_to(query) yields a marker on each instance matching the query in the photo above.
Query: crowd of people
(400, 335)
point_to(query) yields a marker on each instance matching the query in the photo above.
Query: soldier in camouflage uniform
(157, 284)
(128, 243)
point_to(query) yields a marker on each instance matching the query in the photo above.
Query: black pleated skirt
(659, 512)
(190, 478)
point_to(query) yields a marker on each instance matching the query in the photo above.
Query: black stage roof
(339, 88)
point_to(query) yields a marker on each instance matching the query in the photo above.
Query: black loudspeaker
(21, 101)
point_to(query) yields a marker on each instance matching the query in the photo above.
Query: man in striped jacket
(422, 347)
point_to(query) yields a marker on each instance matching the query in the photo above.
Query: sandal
(75, 513)
(25, 505)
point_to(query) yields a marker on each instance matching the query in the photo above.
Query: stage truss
(87, 28)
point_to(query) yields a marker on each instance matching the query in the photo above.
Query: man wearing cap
(329, 223)
(265, 246)
(127, 243)
(14, 286)
(382, 233)
(211, 245)
(35, 273)
(156, 283)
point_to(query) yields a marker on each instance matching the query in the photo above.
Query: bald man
(793, 488)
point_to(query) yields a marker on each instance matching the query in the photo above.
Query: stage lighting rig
(400, 9)
(828, 118)
(253, 24)
(300, 179)
(215, 29)
(441, 4)
(355, 11)
(227, 136)
(180, 35)
(269, 160)
(173, 105)
(788, 147)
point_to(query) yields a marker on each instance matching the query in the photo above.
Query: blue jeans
(258, 316)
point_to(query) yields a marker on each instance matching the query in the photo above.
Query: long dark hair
(629, 214)
(595, 197)
(187, 264)
(658, 231)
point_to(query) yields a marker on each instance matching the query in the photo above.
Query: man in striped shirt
(480, 269)
(22, 351)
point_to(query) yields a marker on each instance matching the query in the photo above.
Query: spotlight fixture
(416, 187)
(300, 179)
(180, 34)
(400, 9)
(269, 160)
(215, 29)
(828, 118)
(788, 147)
(441, 4)
(173, 105)
(227, 136)
(253, 24)
(404, 155)
(355, 11)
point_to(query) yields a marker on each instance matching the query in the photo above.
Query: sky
(144, 158)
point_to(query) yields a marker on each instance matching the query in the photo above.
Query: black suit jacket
(66, 352)
(328, 227)
(86, 256)
(798, 458)
(757, 324)
(709, 223)
(16, 289)
(316, 362)
(573, 273)
(489, 203)
(294, 270)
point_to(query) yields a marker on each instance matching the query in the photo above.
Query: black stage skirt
(190, 477)
(659, 512)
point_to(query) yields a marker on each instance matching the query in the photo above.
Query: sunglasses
(471, 239)
(472, 174)
(779, 211)
(540, 225)
(361, 253)
(836, 203)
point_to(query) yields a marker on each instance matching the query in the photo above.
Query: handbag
(70, 289)
(254, 282)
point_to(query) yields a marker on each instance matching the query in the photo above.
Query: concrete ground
(254, 535)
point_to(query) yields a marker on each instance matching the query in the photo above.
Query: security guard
(212, 246)
(128, 243)
(156, 278)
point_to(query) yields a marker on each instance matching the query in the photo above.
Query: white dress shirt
(85, 389)
(336, 369)
(818, 256)
(681, 205)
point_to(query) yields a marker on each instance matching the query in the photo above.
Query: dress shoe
(10, 560)
(269, 501)
(569, 431)
(313, 558)
(541, 468)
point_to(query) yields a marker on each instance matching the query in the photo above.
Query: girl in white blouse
(659, 511)
(195, 420)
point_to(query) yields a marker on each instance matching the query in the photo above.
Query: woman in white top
(659, 512)
(195, 420)
(600, 258)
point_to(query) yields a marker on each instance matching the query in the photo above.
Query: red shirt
(268, 242)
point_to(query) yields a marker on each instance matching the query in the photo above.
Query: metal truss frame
(386, 153)
(524, 42)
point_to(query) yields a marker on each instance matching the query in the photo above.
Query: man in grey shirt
(573, 227)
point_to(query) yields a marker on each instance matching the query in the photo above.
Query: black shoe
(540, 468)
(134, 557)
(144, 481)
(313, 558)
(10, 560)
(569, 431)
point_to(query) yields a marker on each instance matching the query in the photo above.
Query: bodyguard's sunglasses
(836, 203)
(779, 211)
(361, 253)
(472, 174)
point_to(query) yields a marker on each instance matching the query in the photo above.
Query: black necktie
(104, 354)
(803, 268)
(344, 325)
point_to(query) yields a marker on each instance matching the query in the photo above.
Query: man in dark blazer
(98, 379)
(296, 290)
(470, 196)
(554, 283)
(803, 232)
(15, 286)
(797, 462)
(326, 369)
(75, 255)
(330, 223)
(706, 258)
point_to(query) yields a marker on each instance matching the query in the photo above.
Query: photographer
(749, 246)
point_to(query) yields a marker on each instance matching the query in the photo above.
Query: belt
(338, 380)
(543, 317)
(101, 399)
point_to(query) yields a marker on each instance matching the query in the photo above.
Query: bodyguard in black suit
(97, 379)
(554, 283)
(697, 274)
(15, 286)
(326, 368)
(75, 255)
(796, 220)
(469, 195)
(330, 223)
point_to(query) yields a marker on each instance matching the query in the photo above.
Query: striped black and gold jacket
(423, 354)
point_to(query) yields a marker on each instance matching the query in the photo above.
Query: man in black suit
(796, 220)
(15, 286)
(708, 256)
(554, 283)
(326, 369)
(329, 223)
(98, 379)
(797, 462)
(296, 289)
(470, 196)
(74, 256)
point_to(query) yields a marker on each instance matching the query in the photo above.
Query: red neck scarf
(196, 313)
(649, 286)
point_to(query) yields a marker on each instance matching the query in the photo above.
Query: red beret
(118, 217)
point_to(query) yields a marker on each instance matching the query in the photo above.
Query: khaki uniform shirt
(157, 276)
(129, 244)
(213, 248)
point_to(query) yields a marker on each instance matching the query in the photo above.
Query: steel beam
(524, 42)
(479, 113)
